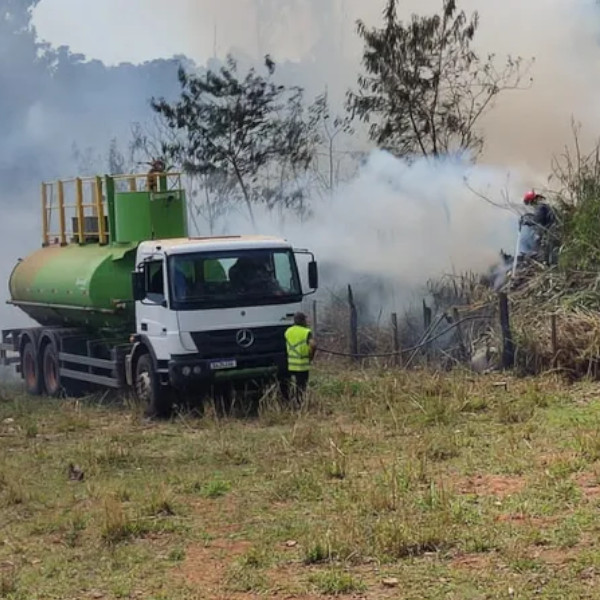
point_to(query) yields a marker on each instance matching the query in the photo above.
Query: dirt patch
(222, 511)
(589, 484)
(557, 557)
(526, 519)
(491, 485)
(474, 562)
(205, 566)
(205, 569)
(547, 459)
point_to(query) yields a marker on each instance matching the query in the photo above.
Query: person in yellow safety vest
(301, 348)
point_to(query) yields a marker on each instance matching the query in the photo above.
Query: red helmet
(532, 196)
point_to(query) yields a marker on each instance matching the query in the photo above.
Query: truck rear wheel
(30, 369)
(51, 371)
(149, 391)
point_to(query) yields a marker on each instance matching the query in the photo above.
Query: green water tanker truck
(124, 298)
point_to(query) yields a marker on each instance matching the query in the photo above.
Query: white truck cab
(216, 308)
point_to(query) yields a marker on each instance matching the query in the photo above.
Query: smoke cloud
(395, 225)
(404, 223)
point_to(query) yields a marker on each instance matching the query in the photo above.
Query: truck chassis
(56, 361)
(51, 360)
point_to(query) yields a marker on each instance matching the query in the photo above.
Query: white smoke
(23, 229)
(403, 223)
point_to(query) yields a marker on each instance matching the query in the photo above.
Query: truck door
(153, 311)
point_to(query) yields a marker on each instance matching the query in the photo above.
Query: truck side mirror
(313, 275)
(138, 284)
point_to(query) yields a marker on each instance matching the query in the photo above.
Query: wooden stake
(396, 338)
(426, 328)
(353, 325)
(554, 341)
(508, 348)
(461, 340)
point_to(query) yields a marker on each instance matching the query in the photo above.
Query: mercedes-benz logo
(244, 338)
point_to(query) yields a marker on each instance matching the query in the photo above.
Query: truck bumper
(188, 372)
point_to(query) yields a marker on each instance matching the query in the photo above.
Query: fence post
(508, 348)
(426, 327)
(396, 335)
(554, 341)
(461, 340)
(353, 325)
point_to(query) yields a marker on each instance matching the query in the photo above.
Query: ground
(386, 485)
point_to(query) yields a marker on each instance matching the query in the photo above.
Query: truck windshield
(233, 278)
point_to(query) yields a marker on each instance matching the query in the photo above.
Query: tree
(116, 161)
(89, 162)
(250, 131)
(425, 89)
(330, 128)
(23, 62)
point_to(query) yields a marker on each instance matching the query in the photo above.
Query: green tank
(85, 280)
(87, 285)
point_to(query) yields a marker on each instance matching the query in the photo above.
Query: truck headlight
(197, 370)
(186, 371)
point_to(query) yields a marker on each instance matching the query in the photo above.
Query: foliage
(578, 207)
(146, 143)
(330, 128)
(425, 88)
(117, 162)
(90, 162)
(248, 130)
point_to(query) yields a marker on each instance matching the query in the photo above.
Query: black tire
(31, 370)
(51, 371)
(157, 399)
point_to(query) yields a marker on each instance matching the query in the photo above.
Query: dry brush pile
(555, 321)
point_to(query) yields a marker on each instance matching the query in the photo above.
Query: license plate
(223, 364)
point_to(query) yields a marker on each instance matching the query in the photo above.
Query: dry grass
(451, 485)
(571, 300)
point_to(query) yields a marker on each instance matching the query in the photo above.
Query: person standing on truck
(301, 348)
(157, 167)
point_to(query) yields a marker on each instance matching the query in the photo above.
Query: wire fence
(339, 335)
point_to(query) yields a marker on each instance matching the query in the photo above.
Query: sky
(138, 30)
(527, 129)
(117, 30)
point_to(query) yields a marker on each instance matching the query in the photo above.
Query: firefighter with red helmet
(540, 221)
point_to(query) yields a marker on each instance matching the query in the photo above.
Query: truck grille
(222, 343)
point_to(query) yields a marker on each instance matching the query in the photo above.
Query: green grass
(448, 484)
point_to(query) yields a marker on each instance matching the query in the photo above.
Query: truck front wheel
(30, 369)
(149, 391)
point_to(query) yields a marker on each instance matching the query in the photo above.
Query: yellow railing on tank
(149, 181)
(88, 195)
